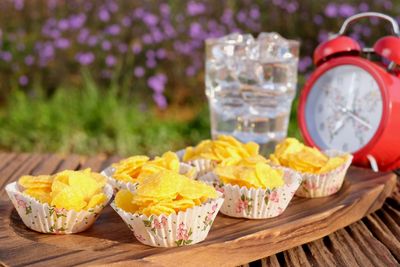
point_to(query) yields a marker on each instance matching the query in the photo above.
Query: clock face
(343, 109)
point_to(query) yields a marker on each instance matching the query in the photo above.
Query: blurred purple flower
(346, 10)
(23, 80)
(150, 54)
(47, 50)
(169, 30)
(255, 12)
(161, 53)
(157, 35)
(62, 43)
(277, 2)
(106, 45)
(104, 15)
(6, 56)
(112, 6)
(83, 35)
(157, 82)
(323, 36)
(114, 29)
(63, 24)
(196, 30)
(331, 10)
(160, 100)
(150, 19)
(318, 19)
(77, 21)
(304, 63)
(29, 60)
(92, 40)
(139, 72)
(190, 71)
(136, 48)
(227, 17)
(110, 60)
(18, 4)
(138, 13)
(387, 4)
(85, 58)
(164, 9)
(151, 63)
(363, 7)
(366, 31)
(126, 21)
(194, 8)
(241, 16)
(123, 48)
(147, 39)
(292, 7)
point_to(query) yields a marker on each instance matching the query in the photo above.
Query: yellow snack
(225, 149)
(293, 154)
(40, 181)
(68, 199)
(252, 172)
(43, 195)
(138, 167)
(164, 192)
(75, 190)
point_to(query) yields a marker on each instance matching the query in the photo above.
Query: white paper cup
(42, 217)
(259, 203)
(175, 230)
(203, 166)
(118, 185)
(325, 184)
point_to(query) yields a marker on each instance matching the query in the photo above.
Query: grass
(91, 121)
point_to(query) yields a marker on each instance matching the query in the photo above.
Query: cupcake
(255, 190)
(322, 173)
(124, 174)
(169, 209)
(64, 203)
(224, 150)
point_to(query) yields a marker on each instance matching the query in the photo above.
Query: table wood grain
(371, 241)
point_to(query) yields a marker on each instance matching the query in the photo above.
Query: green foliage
(91, 121)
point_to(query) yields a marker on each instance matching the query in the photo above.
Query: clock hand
(361, 121)
(339, 125)
(351, 96)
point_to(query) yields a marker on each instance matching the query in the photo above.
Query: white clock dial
(344, 108)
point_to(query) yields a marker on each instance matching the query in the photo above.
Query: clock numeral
(345, 147)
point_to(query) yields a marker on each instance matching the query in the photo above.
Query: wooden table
(372, 241)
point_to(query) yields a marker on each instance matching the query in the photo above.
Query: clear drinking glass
(250, 85)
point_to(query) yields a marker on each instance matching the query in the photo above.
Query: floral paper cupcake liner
(175, 230)
(119, 185)
(325, 184)
(258, 203)
(44, 218)
(203, 166)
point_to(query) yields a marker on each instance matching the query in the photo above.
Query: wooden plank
(6, 158)
(231, 241)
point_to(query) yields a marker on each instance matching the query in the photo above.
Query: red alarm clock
(352, 103)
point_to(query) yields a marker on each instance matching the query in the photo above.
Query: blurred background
(127, 77)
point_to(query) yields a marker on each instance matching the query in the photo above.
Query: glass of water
(250, 85)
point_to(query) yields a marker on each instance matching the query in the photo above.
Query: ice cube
(273, 47)
(250, 72)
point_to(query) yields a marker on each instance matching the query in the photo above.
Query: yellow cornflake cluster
(251, 172)
(294, 154)
(165, 193)
(133, 168)
(71, 190)
(225, 149)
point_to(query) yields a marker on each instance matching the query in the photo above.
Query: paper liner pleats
(44, 218)
(118, 185)
(175, 230)
(326, 184)
(258, 203)
(203, 166)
